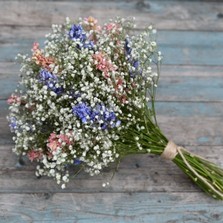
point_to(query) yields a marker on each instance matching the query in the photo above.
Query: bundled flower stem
(207, 175)
(88, 99)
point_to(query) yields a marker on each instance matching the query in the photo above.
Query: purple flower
(98, 116)
(128, 49)
(76, 32)
(52, 86)
(45, 75)
(74, 94)
(50, 80)
(82, 111)
(13, 124)
(77, 162)
(89, 45)
(135, 63)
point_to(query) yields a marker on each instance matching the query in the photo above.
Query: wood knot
(141, 5)
(220, 15)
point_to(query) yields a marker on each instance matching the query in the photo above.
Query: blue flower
(74, 94)
(52, 86)
(128, 49)
(89, 45)
(99, 116)
(76, 32)
(77, 162)
(13, 124)
(82, 111)
(50, 80)
(135, 63)
(103, 115)
(46, 75)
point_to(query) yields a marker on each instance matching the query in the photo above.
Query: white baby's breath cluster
(78, 95)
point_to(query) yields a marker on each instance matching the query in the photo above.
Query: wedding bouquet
(88, 99)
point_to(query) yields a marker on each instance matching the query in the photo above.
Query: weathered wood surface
(178, 47)
(192, 88)
(190, 111)
(181, 15)
(109, 207)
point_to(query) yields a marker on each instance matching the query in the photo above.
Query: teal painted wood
(108, 208)
(170, 109)
(178, 47)
(190, 88)
(171, 70)
(179, 15)
(183, 129)
(139, 173)
(175, 88)
(146, 188)
(189, 131)
(8, 160)
(189, 109)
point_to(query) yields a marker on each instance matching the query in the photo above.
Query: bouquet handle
(207, 175)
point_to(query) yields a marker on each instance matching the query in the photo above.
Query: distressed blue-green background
(189, 107)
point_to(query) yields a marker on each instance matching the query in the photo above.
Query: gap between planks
(107, 208)
(178, 47)
(184, 15)
(171, 70)
(190, 131)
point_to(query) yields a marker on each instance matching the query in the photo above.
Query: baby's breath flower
(80, 93)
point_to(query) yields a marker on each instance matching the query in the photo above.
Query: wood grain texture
(178, 47)
(183, 130)
(109, 207)
(180, 15)
(141, 173)
(12, 68)
(189, 107)
(174, 88)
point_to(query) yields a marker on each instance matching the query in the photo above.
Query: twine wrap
(170, 151)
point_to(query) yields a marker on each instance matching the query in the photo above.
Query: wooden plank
(12, 68)
(140, 180)
(170, 109)
(181, 15)
(178, 47)
(190, 71)
(189, 131)
(5, 134)
(151, 178)
(193, 130)
(9, 160)
(190, 88)
(108, 208)
(174, 88)
(156, 175)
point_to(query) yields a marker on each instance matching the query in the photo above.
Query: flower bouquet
(88, 99)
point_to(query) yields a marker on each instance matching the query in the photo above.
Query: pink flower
(35, 47)
(111, 26)
(40, 59)
(65, 139)
(34, 155)
(91, 24)
(103, 64)
(120, 91)
(55, 141)
(14, 99)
